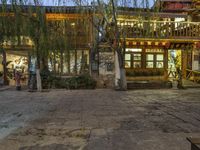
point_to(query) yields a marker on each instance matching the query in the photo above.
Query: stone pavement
(99, 119)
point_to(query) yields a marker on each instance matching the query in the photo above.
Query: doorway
(17, 63)
(174, 62)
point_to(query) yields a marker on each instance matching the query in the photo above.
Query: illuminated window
(149, 61)
(159, 61)
(154, 61)
(127, 56)
(133, 60)
(137, 61)
(127, 60)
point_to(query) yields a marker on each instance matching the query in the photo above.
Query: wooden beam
(56, 16)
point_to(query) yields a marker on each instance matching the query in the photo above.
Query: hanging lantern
(156, 43)
(149, 43)
(134, 43)
(167, 45)
(198, 45)
(160, 44)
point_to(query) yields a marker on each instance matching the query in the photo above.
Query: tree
(37, 32)
(7, 33)
(105, 22)
(31, 23)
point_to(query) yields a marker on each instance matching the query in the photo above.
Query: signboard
(154, 50)
(177, 6)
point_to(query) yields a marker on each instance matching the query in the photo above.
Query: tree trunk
(68, 62)
(39, 82)
(61, 62)
(54, 62)
(38, 77)
(120, 74)
(123, 79)
(117, 72)
(5, 78)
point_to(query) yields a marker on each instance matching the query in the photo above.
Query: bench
(195, 143)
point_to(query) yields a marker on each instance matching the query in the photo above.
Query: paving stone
(99, 119)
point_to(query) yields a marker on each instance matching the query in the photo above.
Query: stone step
(148, 85)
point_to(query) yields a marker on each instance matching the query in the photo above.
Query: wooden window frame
(154, 60)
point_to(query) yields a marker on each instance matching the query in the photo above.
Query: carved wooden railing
(193, 75)
(160, 29)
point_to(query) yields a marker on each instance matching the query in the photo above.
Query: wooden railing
(193, 75)
(160, 29)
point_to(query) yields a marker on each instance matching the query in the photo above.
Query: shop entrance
(174, 62)
(17, 63)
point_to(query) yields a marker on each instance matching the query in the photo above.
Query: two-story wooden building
(166, 40)
(156, 41)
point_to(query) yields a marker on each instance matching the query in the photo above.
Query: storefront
(146, 63)
(150, 62)
(16, 62)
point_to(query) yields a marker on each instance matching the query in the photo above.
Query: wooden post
(184, 62)
(165, 64)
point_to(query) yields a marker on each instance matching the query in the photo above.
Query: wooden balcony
(160, 29)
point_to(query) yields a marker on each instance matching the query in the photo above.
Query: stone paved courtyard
(99, 119)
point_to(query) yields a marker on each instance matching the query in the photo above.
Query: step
(149, 85)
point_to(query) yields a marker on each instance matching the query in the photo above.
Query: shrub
(84, 81)
(81, 82)
(45, 77)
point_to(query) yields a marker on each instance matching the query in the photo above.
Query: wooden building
(156, 42)
(158, 45)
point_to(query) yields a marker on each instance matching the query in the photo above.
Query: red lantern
(198, 45)
(167, 45)
(160, 44)
(130, 43)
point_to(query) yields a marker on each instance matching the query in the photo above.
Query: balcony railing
(160, 29)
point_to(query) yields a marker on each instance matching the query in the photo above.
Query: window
(159, 61)
(133, 60)
(150, 58)
(127, 60)
(149, 61)
(154, 61)
(137, 61)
